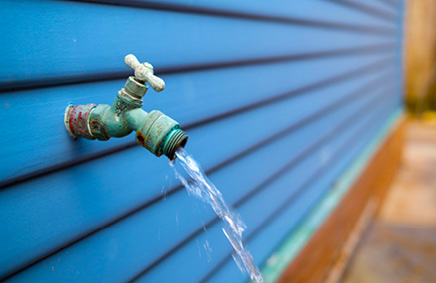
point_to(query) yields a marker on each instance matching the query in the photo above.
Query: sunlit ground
(400, 245)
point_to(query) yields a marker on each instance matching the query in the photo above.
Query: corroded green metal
(111, 121)
(155, 131)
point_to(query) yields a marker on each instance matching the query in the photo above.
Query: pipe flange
(76, 120)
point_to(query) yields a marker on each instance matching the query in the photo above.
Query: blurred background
(420, 58)
(400, 245)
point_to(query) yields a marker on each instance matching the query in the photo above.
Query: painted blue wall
(278, 99)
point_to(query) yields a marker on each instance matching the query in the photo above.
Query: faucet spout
(155, 131)
(158, 133)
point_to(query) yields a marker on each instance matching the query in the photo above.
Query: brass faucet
(155, 131)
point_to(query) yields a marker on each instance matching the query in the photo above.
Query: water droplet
(208, 250)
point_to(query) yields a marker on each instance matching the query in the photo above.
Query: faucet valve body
(161, 135)
(155, 131)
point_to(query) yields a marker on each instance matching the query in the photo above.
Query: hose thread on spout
(175, 139)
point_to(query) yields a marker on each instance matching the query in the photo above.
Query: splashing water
(200, 186)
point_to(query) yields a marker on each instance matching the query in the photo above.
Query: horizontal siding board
(190, 98)
(391, 3)
(309, 10)
(276, 230)
(380, 4)
(83, 40)
(80, 199)
(375, 4)
(135, 231)
(372, 7)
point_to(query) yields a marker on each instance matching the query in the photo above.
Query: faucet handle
(144, 72)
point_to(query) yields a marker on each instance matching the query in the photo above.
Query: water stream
(200, 186)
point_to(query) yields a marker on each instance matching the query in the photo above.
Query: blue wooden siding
(277, 99)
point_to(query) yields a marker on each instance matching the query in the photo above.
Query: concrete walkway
(400, 245)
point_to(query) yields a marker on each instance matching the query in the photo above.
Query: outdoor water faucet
(155, 131)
